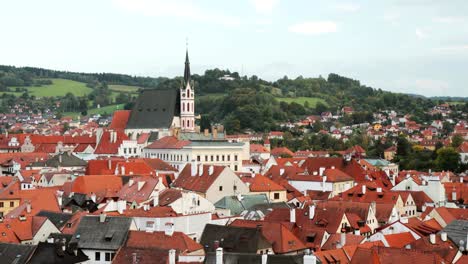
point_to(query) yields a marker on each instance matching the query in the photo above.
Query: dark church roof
(155, 109)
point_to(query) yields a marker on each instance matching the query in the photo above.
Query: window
(108, 256)
(212, 158)
(276, 196)
(1, 204)
(235, 157)
(12, 204)
(220, 188)
(97, 256)
(228, 157)
(206, 157)
(198, 158)
(217, 157)
(234, 187)
(222, 158)
(235, 167)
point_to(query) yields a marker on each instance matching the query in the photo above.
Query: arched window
(183, 123)
(188, 93)
(188, 107)
(183, 107)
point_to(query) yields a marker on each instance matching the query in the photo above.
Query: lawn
(301, 100)
(106, 109)
(59, 87)
(124, 88)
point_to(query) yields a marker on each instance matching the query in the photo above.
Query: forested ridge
(238, 102)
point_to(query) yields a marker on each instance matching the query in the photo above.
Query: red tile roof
(168, 142)
(159, 240)
(198, 183)
(104, 186)
(399, 240)
(261, 183)
(282, 239)
(120, 119)
(106, 146)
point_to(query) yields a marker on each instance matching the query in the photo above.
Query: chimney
(122, 170)
(432, 238)
(454, 195)
(461, 179)
(141, 184)
(219, 255)
(172, 256)
(343, 239)
(443, 236)
(206, 132)
(216, 244)
(200, 169)
(363, 189)
(215, 132)
(193, 166)
(169, 230)
(321, 170)
(109, 164)
(264, 258)
(134, 258)
(93, 197)
(28, 207)
(310, 259)
(379, 189)
(311, 211)
(102, 217)
(292, 215)
(324, 180)
(357, 232)
(156, 200)
(121, 206)
(211, 170)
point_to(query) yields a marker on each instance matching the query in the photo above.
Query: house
(177, 152)
(16, 253)
(389, 153)
(260, 184)
(28, 230)
(235, 239)
(185, 202)
(211, 182)
(99, 237)
(463, 150)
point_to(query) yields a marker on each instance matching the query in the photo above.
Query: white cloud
(314, 27)
(182, 9)
(347, 7)
(420, 34)
(265, 6)
(449, 20)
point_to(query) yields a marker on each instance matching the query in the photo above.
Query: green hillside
(59, 87)
(312, 101)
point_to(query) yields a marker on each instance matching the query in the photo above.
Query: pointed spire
(187, 68)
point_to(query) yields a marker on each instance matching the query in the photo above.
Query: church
(164, 112)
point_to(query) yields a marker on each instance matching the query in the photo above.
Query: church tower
(187, 100)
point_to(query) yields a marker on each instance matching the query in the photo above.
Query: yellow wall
(6, 208)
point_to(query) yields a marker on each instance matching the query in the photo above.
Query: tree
(403, 146)
(457, 140)
(447, 159)
(205, 122)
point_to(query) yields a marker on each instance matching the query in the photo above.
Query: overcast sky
(414, 46)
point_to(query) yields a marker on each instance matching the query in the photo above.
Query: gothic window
(183, 123)
(183, 107)
(188, 107)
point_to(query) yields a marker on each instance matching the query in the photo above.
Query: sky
(410, 46)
